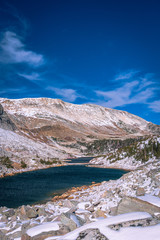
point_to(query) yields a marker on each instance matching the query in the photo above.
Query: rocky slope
(19, 151)
(33, 132)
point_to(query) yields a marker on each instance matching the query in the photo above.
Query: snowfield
(45, 227)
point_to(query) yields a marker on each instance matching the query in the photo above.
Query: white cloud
(67, 94)
(126, 75)
(138, 91)
(118, 97)
(143, 96)
(33, 76)
(12, 50)
(155, 106)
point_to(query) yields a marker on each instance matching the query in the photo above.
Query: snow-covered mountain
(44, 114)
(44, 128)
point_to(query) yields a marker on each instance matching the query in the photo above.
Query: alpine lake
(42, 185)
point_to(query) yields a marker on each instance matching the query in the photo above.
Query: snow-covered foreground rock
(124, 233)
(127, 208)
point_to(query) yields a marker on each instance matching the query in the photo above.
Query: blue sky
(83, 51)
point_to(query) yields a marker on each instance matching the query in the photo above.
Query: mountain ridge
(59, 101)
(52, 108)
(65, 130)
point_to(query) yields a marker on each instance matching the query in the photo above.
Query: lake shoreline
(110, 167)
(3, 175)
(56, 181)
(66, 163)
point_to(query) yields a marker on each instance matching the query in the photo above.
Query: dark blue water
(41, 185)
(80, 160)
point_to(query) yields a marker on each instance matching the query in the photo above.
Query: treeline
(49, 162)
(6, 161)
(142, 151)
(105, 145)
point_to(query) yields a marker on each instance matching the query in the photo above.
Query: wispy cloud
(34, 76)
(119, 96)
(12, 90)
(144, 82)
(17, 16)
(141, 90)
(67, 94)
(13, 50)
(20, 66)
(126, 75)
(155, 106)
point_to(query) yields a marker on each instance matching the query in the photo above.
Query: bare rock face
(5, 121)
(100, 214)
(113, 211)
(67, 221)
(1, 109)
(140, 191)
(91, 234)
(131, 204)
(3, 236)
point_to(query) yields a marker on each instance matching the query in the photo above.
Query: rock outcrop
(131, 204)
(5, 121)
(89, 234)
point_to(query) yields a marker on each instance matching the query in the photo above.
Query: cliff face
(5, 121)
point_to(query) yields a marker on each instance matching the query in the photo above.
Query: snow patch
(151, 199)
(102, 225)
(45, 227)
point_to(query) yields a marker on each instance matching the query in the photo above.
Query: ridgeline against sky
(83, 51)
